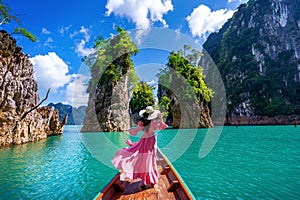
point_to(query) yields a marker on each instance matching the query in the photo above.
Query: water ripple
(246, 163)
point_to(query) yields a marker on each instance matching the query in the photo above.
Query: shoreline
(262, 120)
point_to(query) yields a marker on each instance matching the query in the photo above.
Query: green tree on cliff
(113, 74)
(142, 97)
(182, 90)
(179, 66)
(109, 55)
(6, 18)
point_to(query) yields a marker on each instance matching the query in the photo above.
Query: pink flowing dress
(139, 160)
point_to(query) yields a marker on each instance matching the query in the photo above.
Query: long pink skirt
(138, 160)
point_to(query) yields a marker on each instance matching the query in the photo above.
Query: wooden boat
(170, 186)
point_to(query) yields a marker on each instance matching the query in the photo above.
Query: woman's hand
(161, 125)
(160, 116)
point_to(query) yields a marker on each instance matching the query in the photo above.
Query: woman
(139, 160)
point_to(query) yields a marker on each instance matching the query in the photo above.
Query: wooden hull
(170, 185)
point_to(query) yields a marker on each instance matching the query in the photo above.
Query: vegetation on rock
(142, 97)
(109, 54)
(256, 53)
(182, 87)
(180, 67)
(113, 75)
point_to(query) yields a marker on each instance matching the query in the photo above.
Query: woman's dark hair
(146, 122)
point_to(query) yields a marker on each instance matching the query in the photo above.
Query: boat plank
(162, 190)
(165, 181)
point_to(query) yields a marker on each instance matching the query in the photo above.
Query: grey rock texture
(108, 107)
(18, 95)
(258, 55)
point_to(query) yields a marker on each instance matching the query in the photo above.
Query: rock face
(264, 120)
(108, 107)
(108, 104)
(185, 114)
(183, 119)
(18, 95)
(258, 55)
(186, 109)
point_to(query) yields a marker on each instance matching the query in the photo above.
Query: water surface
(249, 162)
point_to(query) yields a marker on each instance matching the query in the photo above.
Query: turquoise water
(257, 162)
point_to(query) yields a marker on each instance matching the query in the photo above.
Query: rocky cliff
(108, 104)
(18, 96)
(108, 107)
(188, 116)
(183, 84)
(258, 55)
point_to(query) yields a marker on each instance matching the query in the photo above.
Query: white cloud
(81, 50)
(76, 91)
(45, 31)
(64, 29)
(72, 35)
(85, 33)
(48, 42)
(142, 13)
(50, 71)
(177, 31)
(140, 33)
(152, 83)
(203, 21)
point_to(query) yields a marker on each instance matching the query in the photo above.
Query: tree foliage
(164, 105)
(180, 68)
(112, 59)
(142, 97)
(6, 18)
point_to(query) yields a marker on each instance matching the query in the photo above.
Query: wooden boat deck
(170, 186)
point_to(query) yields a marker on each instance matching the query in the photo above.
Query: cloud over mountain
(203, 21)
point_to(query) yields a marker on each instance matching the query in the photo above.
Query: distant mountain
(258, 55)
(75, 115)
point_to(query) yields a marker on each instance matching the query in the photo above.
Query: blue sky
(66, 31)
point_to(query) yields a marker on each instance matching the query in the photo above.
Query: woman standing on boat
(139, 160)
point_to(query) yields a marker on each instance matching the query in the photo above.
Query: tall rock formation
(108, 104)
(18, 95)
(182, 83)
(258, 55)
